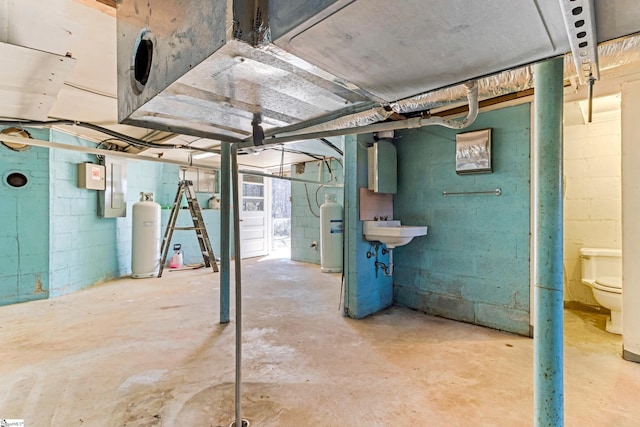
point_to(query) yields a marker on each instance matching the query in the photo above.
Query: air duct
(611, 54)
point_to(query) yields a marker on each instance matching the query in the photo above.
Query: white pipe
(97, 151)
(417, 122)
(290, 178)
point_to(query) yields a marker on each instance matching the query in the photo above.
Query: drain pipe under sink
(387, 270)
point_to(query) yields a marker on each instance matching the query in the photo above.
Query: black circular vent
(142, 60)
(17, 179)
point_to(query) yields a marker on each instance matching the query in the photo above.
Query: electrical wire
(319, 187)
(117, 135)
(330, 144)
(306, 190)
(294, 151)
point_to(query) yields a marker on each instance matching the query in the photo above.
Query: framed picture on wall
(473, 152)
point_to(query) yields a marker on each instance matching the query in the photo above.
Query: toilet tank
(600, 262)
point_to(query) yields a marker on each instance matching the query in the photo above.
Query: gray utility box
(112, 201)
(91, 176)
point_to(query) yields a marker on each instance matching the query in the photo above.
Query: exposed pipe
(611, 54)
(98, 151)
(117, 135)
(387, 270)
(289, 178)
(417, 122)
(379, 114)
(238, 281)
(225, 233)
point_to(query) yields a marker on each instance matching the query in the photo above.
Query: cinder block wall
(85, 249)
(24, 226)
(473, 265)
(367, 289)
(305, 211)
(592, 198)
(52, 241)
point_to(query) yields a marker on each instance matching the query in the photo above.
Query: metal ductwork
(208, 68)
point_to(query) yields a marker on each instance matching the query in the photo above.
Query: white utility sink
(392, 233)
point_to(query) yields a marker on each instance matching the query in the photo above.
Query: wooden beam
(110, 3)
(105, 6)
(486, 103)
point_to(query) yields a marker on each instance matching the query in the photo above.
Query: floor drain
(245, 423)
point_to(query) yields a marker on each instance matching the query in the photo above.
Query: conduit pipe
(290, 178)
(379, 114)
(97, 151)
(225, 235)
(417, 122)
(238, 282)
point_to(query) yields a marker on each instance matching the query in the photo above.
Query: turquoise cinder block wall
(367, 290)
(24, 226)
(305, 209)
(86, 249)
(52, 241)
(473, 265)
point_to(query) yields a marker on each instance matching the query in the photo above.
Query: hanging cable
(282, 162)
(117, 135)
(328, 143)
(306, 190)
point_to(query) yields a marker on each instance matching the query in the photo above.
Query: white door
(254, 238)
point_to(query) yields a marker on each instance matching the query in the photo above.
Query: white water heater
(145, 245)
(331, 232)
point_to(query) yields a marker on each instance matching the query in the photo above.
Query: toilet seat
(611, 284)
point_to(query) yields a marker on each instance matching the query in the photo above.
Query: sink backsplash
(375, 205)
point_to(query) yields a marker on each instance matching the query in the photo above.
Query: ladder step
(185, 188)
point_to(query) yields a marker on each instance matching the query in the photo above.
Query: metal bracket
(579, 21)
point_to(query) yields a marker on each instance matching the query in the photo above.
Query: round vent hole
(17, 179)
(144, 56)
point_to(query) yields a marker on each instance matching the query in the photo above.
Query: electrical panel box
(91, 176)
(382, 159)
(112, 202)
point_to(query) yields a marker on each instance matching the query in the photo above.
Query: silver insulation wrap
(611, 54)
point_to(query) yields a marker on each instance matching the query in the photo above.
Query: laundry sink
(391, 232)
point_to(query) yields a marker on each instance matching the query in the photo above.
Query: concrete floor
(150, 353)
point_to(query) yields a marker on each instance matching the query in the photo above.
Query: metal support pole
(225, 232)
(548, 284)
(238, 281)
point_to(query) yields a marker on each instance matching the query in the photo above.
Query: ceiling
(333, 58)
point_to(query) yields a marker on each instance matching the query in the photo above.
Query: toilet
(602, 272)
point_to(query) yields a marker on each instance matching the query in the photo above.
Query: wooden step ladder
(186, 187)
